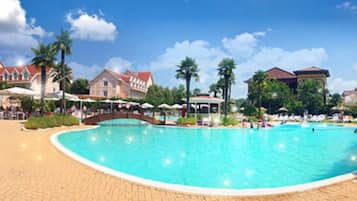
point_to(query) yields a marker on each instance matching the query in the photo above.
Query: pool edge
(191, 189)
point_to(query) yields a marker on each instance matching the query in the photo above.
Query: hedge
(183, 121)
(51, 121)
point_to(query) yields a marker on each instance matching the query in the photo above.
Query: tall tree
(335, 100)
(196, 91)
(258, 86)
(80, 86)
(63, 44)
(226, 71)
(215, 89)
(310, 93)
(58, 77)
(187, 70)
(45, 57)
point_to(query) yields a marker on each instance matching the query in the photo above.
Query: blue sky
(156, 35)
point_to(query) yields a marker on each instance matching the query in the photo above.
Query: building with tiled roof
(111, 84)
(293, 79)
(27, 76)
(350, 97)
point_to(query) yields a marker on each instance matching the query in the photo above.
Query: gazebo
(205, 104)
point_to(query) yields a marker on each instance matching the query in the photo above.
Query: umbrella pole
(80, 105)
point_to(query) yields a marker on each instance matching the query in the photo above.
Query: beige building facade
(111, 84)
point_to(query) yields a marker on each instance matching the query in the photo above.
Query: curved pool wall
(185, 175)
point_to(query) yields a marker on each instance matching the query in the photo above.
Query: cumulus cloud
(16, 32)
(256, 58)
(347, 5)
(91, 27)
(242, 45)
(118, 64)
(338, 85)
(206, 57)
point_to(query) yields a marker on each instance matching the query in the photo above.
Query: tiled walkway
(32, 169)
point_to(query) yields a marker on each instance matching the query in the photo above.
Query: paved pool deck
(31, 168)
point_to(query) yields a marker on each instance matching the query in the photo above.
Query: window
(26, 75)
(6, 76)
(105, 83)
(15, 75)
(105, 93)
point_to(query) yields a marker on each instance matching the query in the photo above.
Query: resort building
(27, 76)
(111, 84)
(350, 97)
(292, 79)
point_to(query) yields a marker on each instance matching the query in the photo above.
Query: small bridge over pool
(120, 115)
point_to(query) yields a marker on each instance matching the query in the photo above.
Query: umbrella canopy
(88, 100)
(146, 105)
(132, 103)
(46, 98)
(176, 106)
(283, 109)
(340, 108)
(107, 101)
(119, 101)
(58, 95)
(18, 91)
(164, 106)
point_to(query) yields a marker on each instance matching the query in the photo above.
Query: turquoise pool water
(219, 158)
(168, 118)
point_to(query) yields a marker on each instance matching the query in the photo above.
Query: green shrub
(229, 121)
(51, 121)
(183, 121)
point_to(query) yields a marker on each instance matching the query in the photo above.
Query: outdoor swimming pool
(218, 158)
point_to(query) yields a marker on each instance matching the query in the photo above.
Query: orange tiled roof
(278, 73)
(144, 75)
(312, 69)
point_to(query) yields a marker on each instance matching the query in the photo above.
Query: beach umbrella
(88, 100)
(107, 101)
(46, 98)
(340, 108)
(18, 91)
(58, 95)
(164, 106)
(146, 106)
(176, 106)
(283, 109)
(119, 101)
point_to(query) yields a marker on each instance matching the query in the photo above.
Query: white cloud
(91, 27)
(242, 45)
(347, 5)
(338, 85)
(206, 57)
(118, 64)
(268, 57)
(16, 32)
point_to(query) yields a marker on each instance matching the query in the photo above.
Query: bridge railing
(120, 115)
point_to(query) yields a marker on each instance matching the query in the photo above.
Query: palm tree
(63, 44)
(186, 70)
(56, 74)
(225, 70)
(258, 84)
(45, 56)
(215, 89)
